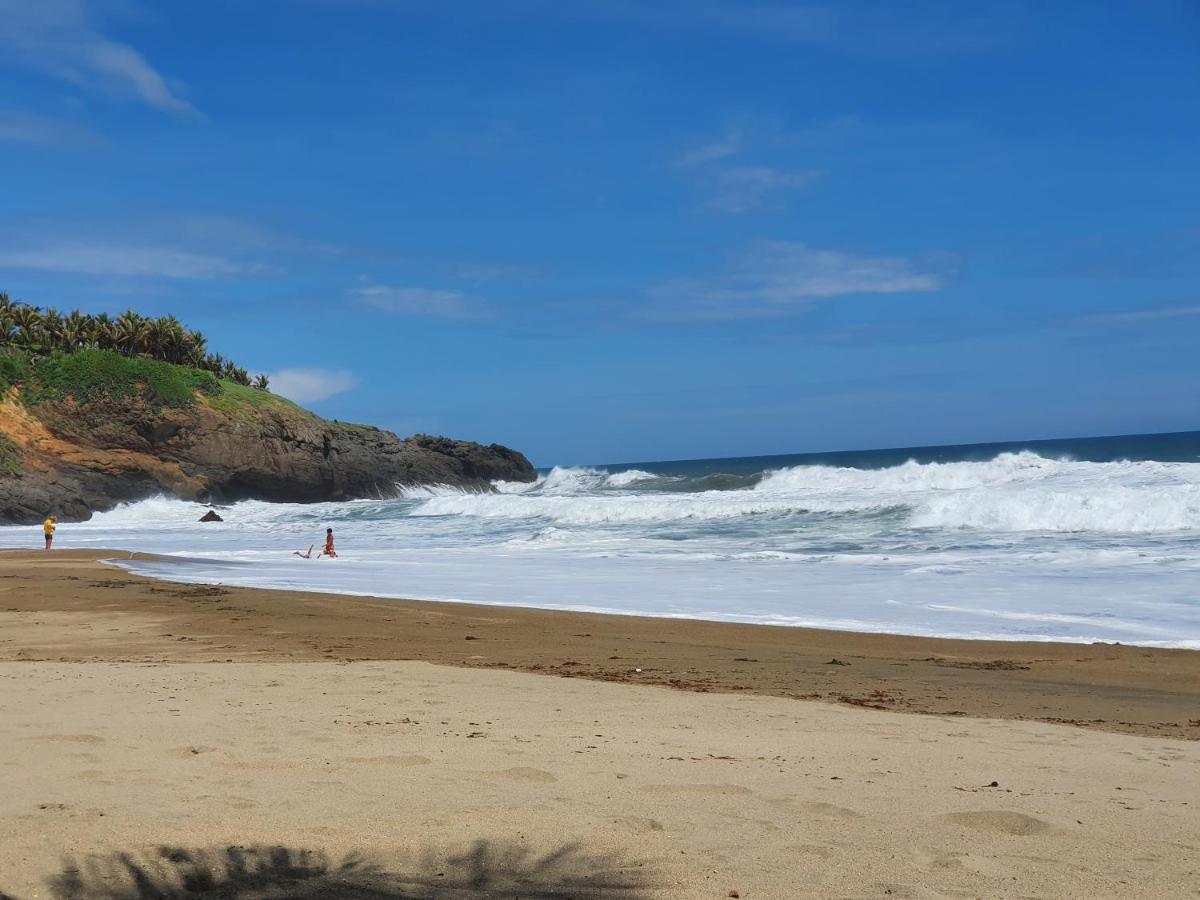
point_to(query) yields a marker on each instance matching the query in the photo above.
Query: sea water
(1090, 540)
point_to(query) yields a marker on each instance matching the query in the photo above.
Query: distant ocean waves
(1100, 541)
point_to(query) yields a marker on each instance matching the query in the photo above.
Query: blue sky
(610, 231)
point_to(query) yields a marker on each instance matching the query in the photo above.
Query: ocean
(1071, 540)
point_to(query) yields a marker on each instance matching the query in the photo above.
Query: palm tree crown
(32, 331)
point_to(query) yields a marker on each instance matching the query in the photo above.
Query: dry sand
(283, 774)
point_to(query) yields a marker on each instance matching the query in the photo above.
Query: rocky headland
(87, 445)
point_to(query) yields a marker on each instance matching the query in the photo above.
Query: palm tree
(175, 340)
(74, 331)
(196, 348)
(157, 338)
(29, 327)
(102, 332)
(35, 332)
(131, 333)
(52, 329)
(8, 319)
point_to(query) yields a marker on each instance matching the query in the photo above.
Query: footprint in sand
(935, 861)
(71, 738)
(639, 824)
(522, 773)
(829, 809)
(403, 761)
(892, 889)
(999, 821)
(694, 790)
(191, 750)
(818, 851)
(413, 760)
(92, 775)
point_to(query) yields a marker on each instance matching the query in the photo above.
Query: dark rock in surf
(211, 516)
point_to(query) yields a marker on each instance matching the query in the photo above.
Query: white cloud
(307, 385)
(779, 277)
(721, 148)
(420, 301)
(913, 28)
(123, 259)
(23, 127)
(60, 37)
(744, 188)
(1153, 314)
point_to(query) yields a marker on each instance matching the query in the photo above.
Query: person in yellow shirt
(48, 529)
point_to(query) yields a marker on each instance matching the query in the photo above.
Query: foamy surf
(1018, 546)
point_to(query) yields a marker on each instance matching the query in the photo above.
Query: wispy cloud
(712, 151)
(1132, 316)
(62, 38)
(23, 127)
(876, 28)
(312, 385)
(123, 259)
(743, 188)
(914, 28)
(740, 188)
(420, 301)
(481, 273)
(777, 278)
(156, 245)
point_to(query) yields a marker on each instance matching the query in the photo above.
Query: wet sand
(174, 741)
(65, 606)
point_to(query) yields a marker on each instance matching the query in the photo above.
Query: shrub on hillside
(10, 456)
(13, 370)
(88, 374)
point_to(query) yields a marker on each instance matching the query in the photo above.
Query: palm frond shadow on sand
(486, 871)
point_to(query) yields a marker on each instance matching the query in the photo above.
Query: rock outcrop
(75, 458)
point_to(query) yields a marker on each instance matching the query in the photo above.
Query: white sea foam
(1019, 546)
(628, 477)
(1012, 493)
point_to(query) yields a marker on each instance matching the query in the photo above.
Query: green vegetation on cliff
(52, 356)
(238, 399)
(34, 333)
(10, 456)
(92, 374)
(14, 369)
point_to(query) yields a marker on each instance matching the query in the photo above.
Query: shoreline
(1188, 645)
(67, 606)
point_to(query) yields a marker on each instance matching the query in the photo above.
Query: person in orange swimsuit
(328, 551)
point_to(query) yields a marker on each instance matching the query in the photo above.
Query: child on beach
(48, 529)
(328, 551)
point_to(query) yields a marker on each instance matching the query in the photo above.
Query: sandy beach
(160, 739)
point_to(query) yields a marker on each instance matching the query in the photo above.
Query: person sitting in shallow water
(328, 551)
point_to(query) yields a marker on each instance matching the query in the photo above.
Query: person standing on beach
(48, 530)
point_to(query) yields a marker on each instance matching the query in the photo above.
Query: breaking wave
(1021, 545)
(1015, 492)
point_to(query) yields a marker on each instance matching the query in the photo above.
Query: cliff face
(72, 458)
